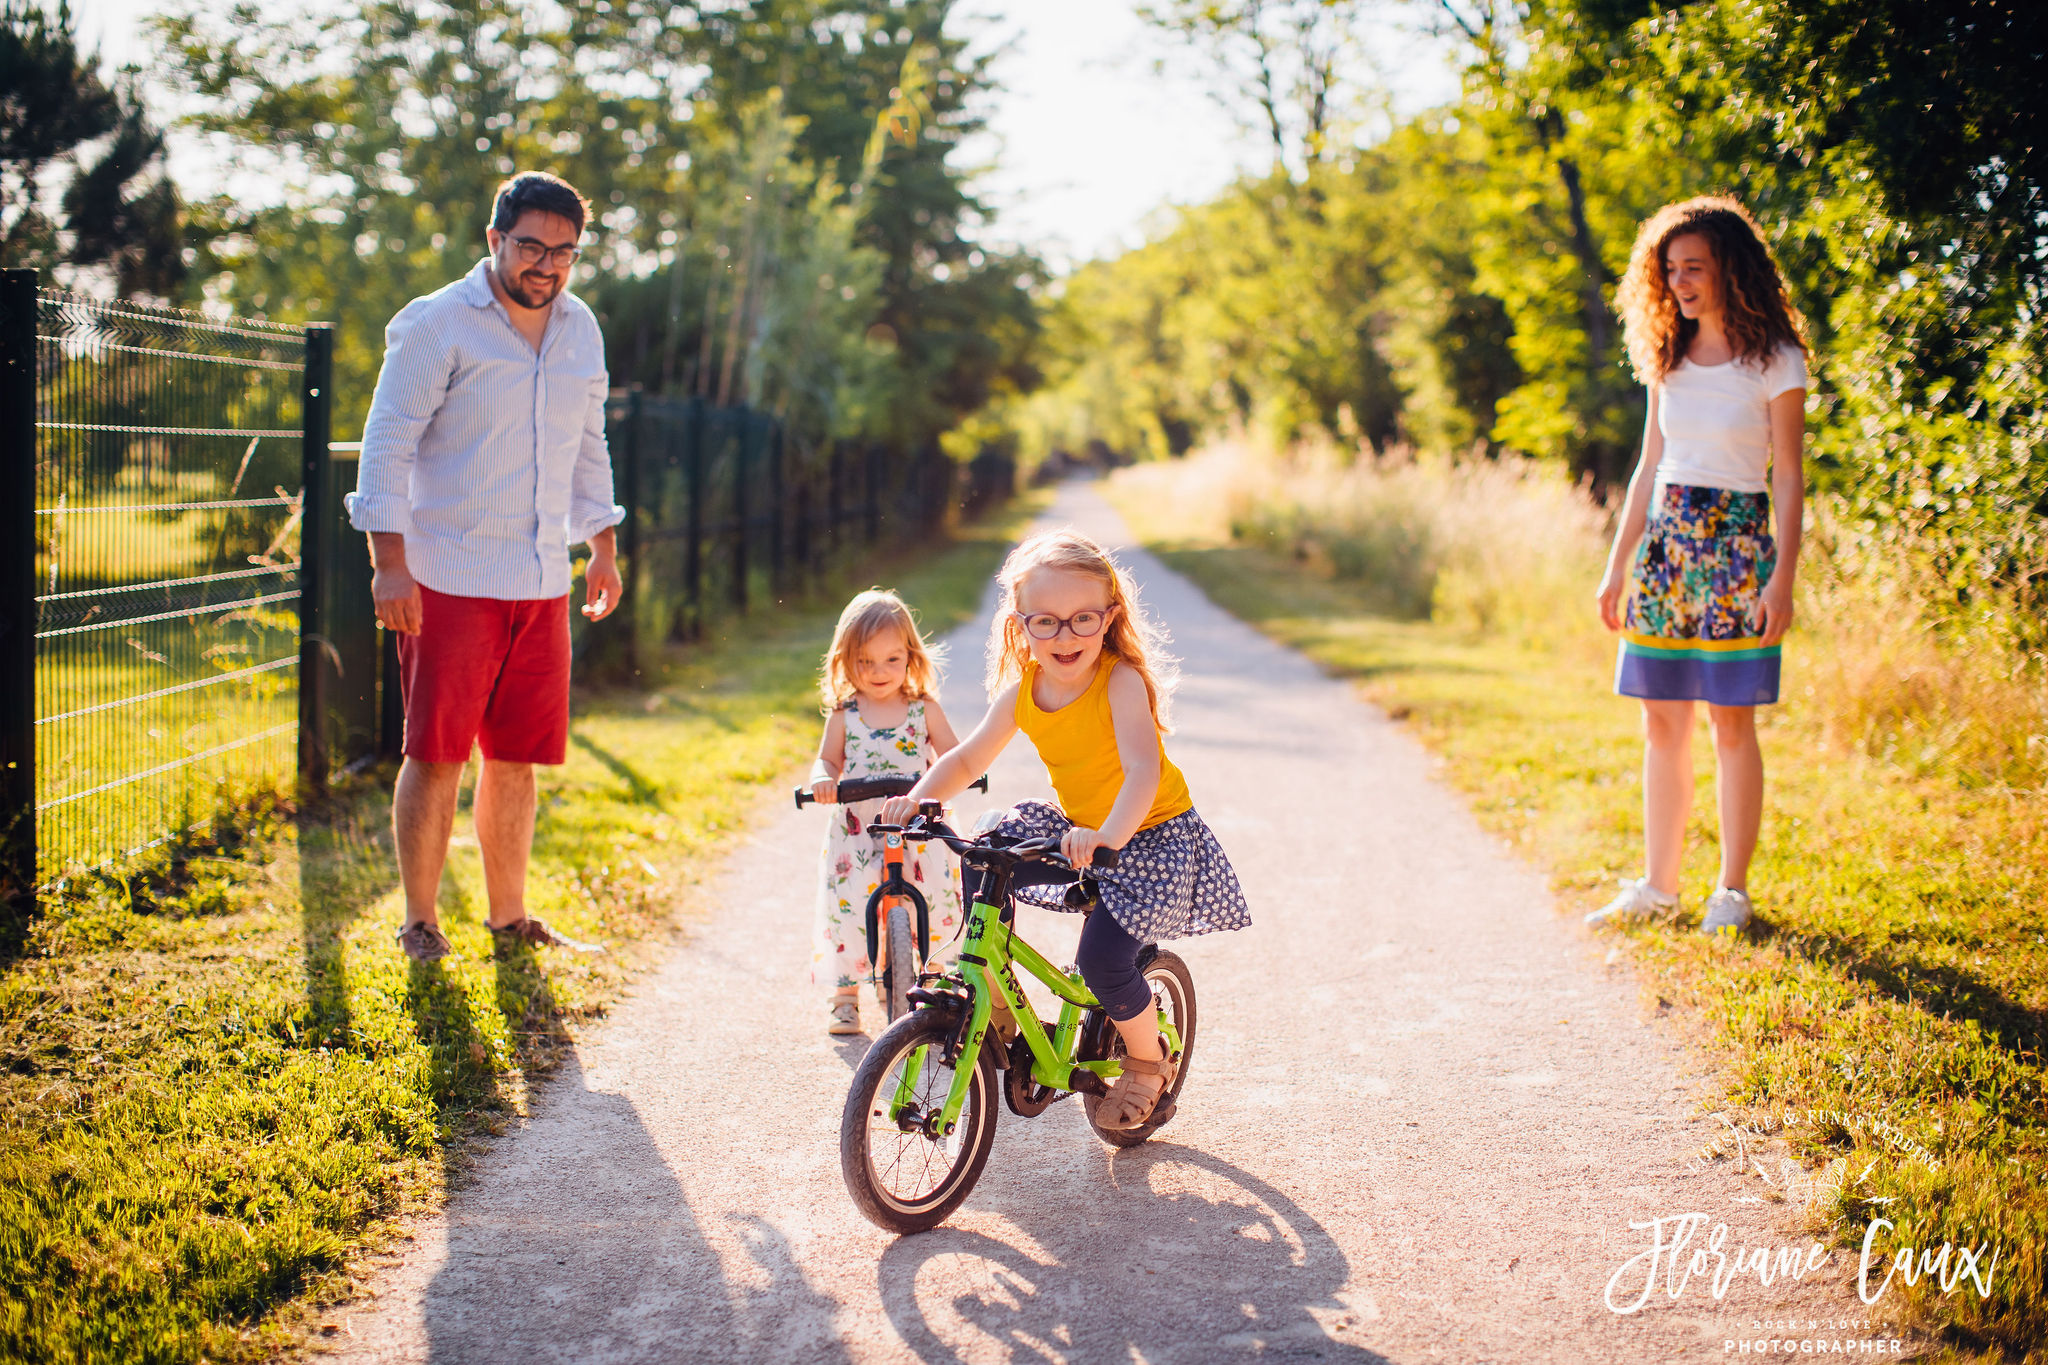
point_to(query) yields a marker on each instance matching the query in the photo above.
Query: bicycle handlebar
(868, 788)
(1104, 858)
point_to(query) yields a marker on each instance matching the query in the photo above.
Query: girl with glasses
(1074, 664)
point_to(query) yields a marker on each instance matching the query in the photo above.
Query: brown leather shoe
(535, 933)
(528, 930)
(423, 942)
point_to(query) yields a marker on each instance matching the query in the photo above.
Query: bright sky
(1090, 141)
(1087, 141)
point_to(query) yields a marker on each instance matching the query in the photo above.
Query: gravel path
(1422, 1115)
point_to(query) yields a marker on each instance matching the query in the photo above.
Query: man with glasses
(483, 460)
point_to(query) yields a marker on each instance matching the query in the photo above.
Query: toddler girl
(882, 717)
(1074, 664)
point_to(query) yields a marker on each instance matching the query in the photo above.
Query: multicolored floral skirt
(1688, 630)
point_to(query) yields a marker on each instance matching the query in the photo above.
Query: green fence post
(742, 429)
(633, 580)
(834, 477)
(875, 456)
(390, 699)
(350, 617)
(316, 554)
(693, 519)
(800, 525)
(17, 604)
(777, 512)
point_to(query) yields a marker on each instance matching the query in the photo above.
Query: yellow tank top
(1078, 744)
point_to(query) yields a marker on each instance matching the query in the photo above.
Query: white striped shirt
(490, 458)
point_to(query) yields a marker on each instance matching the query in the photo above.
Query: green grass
(1897, 974)
(219, 1080)
(80, 754)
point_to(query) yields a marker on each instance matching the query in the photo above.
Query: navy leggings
(1107, 957)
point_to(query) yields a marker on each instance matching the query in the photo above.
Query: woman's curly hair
(1758, 314)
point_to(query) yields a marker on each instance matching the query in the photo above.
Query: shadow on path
(638, 788)
(1113, 1288)
(596, 1256)
(343, 871)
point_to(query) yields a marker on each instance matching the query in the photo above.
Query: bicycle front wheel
(903, 1174)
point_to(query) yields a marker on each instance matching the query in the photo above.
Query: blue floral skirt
(1688, 619)
(1170, 881)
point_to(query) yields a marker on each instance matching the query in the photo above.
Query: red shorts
(487, 672)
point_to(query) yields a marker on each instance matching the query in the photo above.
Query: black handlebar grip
(1105, 857)
(867, 788)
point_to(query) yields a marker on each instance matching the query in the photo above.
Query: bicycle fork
(893, 894)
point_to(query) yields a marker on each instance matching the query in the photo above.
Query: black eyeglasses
(1044, 625)
(532, 251)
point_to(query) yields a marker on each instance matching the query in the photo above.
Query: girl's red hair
(1755, 308)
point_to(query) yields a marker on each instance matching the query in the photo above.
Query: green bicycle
(921, 1114)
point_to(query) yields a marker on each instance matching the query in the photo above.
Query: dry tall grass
(1877, 664)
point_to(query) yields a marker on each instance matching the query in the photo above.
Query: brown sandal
(1124, 1108)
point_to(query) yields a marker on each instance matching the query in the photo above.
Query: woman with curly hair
(1697, 585)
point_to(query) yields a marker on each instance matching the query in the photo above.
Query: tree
(1285, 59)
(882, 93)
(1539, 72)
(118, 210)
(752, 239)
(387, 126)
(1918, 251)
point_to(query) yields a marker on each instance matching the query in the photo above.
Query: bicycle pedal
(1161, 1113)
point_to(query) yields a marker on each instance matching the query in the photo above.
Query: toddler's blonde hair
(866, 616)
(1130, 637)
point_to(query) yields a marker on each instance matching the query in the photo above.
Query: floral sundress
(852, 862)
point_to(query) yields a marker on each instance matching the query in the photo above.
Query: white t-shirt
(1716, 419)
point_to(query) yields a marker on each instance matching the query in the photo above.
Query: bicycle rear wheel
(1173, 992)
(901, 972)
(902, 1175)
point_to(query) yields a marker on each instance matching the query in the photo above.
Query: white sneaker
(1726, 909)
(1638, 900)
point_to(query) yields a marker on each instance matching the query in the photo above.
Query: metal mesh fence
(727, 510)
(167, 569)
(201, 612)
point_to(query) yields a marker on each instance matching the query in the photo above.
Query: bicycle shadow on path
(1103, 1274)
(594, 1254)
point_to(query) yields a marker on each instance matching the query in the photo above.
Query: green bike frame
(989, 954)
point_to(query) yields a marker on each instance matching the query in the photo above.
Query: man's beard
(529, 295)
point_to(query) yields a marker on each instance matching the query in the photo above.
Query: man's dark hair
(537, 191)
